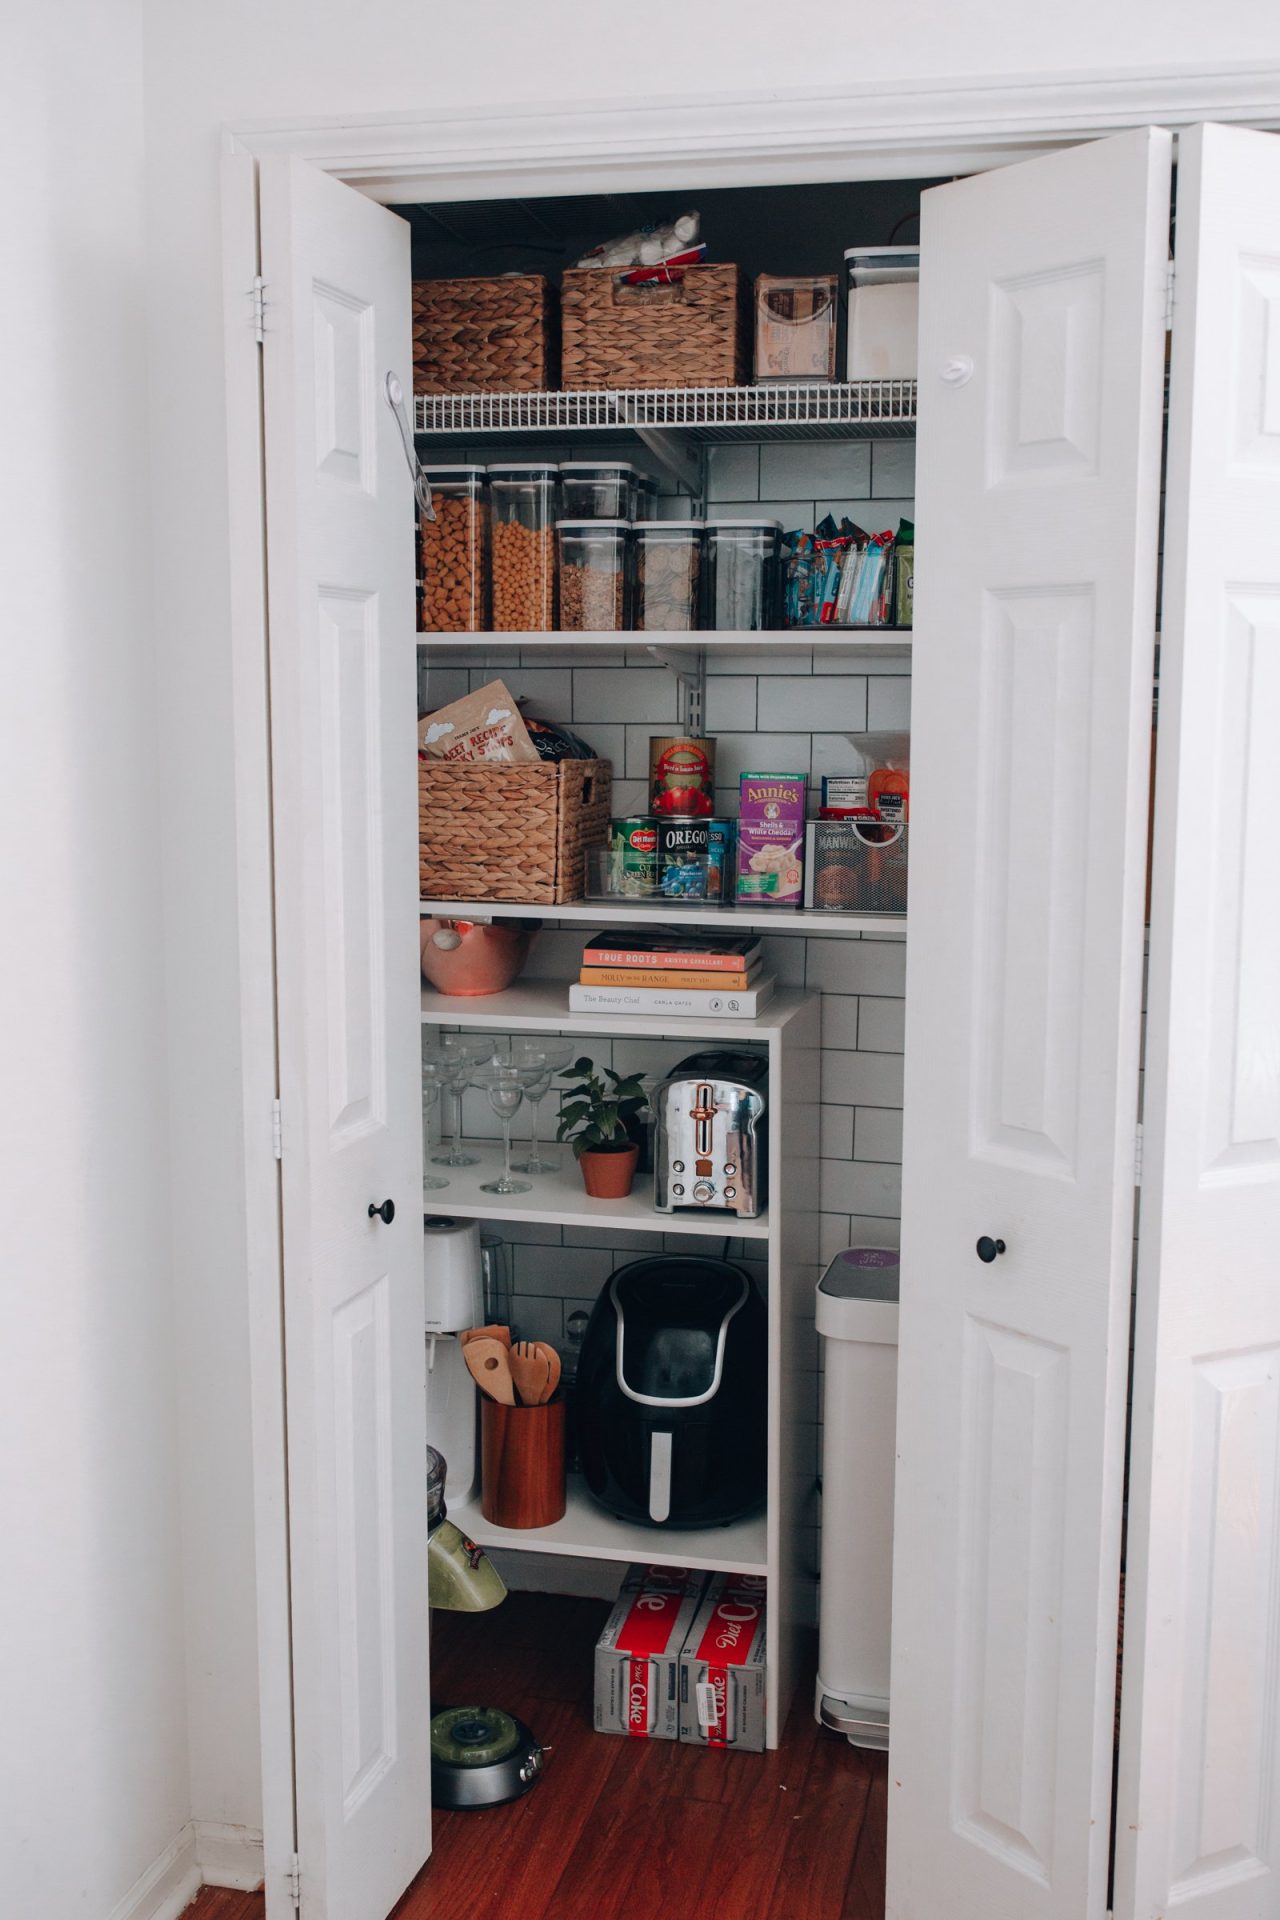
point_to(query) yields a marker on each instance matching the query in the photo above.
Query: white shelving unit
(786, 1234)
(558, 1200)
(776, 410)
(660, 913)
(588, 1533)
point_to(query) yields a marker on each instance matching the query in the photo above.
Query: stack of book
(667, 971)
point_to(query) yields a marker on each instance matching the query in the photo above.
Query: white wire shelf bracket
(785, 409)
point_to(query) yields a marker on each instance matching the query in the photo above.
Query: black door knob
(987, 1247)
(387, 1213)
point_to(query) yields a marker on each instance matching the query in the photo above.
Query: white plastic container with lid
(857, 1316)
(595, 575)
(455, 551)
(884, 312)
(744, 575)
(525, 503)
(599, 489)
(668, 575)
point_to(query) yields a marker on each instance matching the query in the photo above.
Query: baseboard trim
(168, 1886)
(229, 1856)
(207, 1853)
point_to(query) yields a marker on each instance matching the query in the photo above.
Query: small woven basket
(483, 335)
(693, 333)
(518, 833)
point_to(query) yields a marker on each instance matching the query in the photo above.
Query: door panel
(1041, 363)
(343, 700)
(1198, 1821)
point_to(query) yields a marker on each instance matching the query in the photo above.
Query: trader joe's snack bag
(484, 725)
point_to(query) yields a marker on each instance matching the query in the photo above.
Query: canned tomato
(720, 868)
(633, 856)
(682, 857)
(682, 775)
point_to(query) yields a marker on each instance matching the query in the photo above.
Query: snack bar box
(638, 1653)
(723, 1666)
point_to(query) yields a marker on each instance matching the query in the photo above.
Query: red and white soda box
(638, 1653)
(723, 1666)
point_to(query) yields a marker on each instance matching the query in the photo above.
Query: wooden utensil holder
(522, 1464)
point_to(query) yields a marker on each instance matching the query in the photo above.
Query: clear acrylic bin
(595, 575)
(455, 552)
(600, 489)
(525, 502)
(668, 570)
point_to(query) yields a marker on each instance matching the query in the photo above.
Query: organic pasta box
(771, 838)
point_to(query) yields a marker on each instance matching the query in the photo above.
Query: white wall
(280, 59)
(93, 1765)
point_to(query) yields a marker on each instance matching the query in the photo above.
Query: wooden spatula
(553, 1367)
(488, 1363)
(482, 1333)
(530, 1372)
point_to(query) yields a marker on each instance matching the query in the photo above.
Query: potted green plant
(600, 1119)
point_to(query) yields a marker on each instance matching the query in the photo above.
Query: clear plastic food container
(884, 312)
(668, 570)
(743, 574)
(599, 489)
(455, 552)
(525, 500)
(646, 497)
(595, 575)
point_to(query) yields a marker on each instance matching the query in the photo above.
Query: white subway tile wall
(781, 714)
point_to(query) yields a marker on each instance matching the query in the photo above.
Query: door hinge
(1169, 278)
(295, 1881)
(1137, 1155)
(258, 294)
(277, 1130)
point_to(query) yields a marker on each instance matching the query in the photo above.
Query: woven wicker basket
(483, 336)
(517, 833)
(693, 333)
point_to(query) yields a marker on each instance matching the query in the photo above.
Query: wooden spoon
(489, 1366)
(486, 1333)
(553, 1367)
(530, 1372)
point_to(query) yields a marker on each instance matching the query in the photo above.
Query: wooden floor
(628, 1827)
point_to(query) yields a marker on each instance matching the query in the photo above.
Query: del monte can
(633, 857)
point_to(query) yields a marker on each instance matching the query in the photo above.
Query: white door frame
(931, 129)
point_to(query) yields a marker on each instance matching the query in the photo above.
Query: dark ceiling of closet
(762, 229)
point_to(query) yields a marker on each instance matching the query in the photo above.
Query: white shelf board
(587, 1532)
(542, 1006)
(558, 1200)
(667, 913)
(851, 643)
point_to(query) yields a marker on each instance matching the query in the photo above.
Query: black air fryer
(672, 1393)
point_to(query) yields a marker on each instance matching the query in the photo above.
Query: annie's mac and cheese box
(771, 838)
(638, 1654)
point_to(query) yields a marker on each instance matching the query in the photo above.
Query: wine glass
(459, 1055)
(433, 1082)
(550, 1057)
(505, 1084)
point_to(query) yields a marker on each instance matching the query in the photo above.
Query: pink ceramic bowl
(465, 957)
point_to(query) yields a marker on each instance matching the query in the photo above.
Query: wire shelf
(871, 409)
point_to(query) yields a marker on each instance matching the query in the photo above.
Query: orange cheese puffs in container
(455, 552)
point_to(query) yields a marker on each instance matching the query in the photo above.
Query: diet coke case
(722, 1668)
(638, 1654)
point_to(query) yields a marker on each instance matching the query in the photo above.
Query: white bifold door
(343, 705)
(1198, 1799)
(1042, 349)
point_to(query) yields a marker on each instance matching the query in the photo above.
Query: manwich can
(633, 857)
(682, 774)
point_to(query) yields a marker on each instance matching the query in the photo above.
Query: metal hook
(421, 489)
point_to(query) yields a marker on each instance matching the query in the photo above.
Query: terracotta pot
(464, 957)
(608, 1176)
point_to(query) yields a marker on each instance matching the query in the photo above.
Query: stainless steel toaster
(710, 1140)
